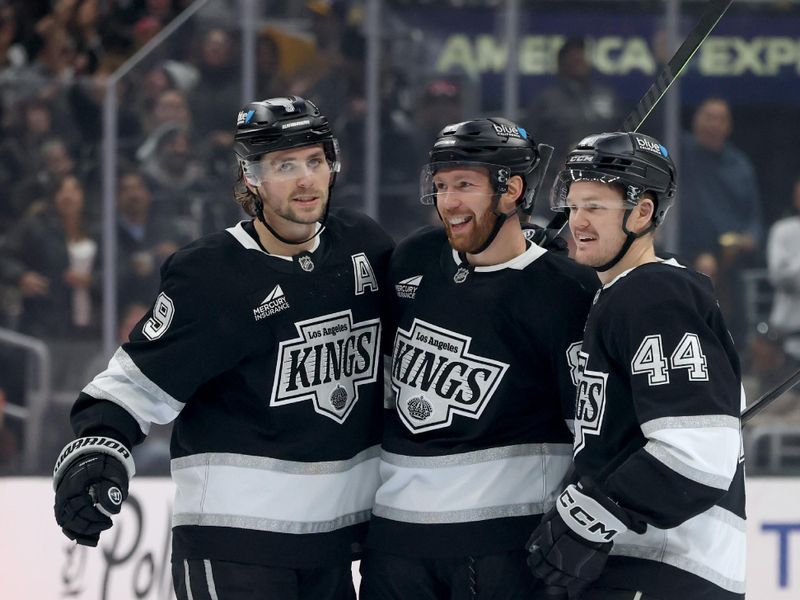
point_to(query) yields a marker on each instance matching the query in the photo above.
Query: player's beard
(475, 235)
(295, 214)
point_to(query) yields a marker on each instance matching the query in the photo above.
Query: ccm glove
(570, 547)
(91, 482)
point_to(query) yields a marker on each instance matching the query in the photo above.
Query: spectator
(144, 240)
(53, 162)
(177, 179)
(171, 106)
(720, 201)
(573, 107)
(719, 212)
(783, 261)
(52, 259)
(218, 92)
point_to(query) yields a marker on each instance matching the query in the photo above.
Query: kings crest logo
(435, 377)
(591, 403)
(327, 363)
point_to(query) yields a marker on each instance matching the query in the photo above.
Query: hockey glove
(91, 482)
(570, 547)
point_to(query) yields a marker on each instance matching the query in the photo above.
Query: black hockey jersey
(272, 370)
(484, 371)
(657, 427)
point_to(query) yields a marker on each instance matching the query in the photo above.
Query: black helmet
(497, 144)
(282, 123)
(637, 162)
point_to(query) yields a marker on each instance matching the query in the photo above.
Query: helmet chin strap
(630, 237)
(260, 217)
(499, 221)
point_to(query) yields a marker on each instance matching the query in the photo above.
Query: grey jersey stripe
(661, 453)
(459, 516)
(687, 547)
(140, 379)
(700, 421)
(479, 456)
(680, 561)
(272, 525)
(273, 464)
(186, 580)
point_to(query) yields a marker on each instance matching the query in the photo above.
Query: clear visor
(559, 200)
(455, 177)
(286, 168)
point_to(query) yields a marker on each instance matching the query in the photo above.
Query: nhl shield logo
(461, 275)
(435, 377)
(306, 263)
(591, 403)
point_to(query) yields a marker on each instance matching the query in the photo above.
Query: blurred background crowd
(117, 118)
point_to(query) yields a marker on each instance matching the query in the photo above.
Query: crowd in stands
(175, 172)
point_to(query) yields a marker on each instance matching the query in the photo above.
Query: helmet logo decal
(296, 124)
(634, 192)
(244, 117)
(286, 103)
(650, 145)
(502, 175)
(507, 131)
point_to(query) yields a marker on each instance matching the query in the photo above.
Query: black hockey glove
(91, 481)
(570, 547)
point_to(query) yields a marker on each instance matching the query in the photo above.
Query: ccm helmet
(498, 145)
(280, 124)
(639, 163)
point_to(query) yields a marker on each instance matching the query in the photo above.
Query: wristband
(587, 517)
(89, 444)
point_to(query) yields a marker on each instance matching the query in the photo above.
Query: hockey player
(660, 474)
(484, 370)
(264, 347)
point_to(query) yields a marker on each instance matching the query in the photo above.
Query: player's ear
(643, 214)
(509, 200)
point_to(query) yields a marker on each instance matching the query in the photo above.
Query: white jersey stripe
(125, 385)
(711, 545)
(212, 588)
(499, 482)
(268, 495)
(701, 450)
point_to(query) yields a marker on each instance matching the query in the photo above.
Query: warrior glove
(91, 481)
(570, 547)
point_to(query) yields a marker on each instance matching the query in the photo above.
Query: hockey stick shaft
(667, 74)
(768, 398)
(665, 77)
